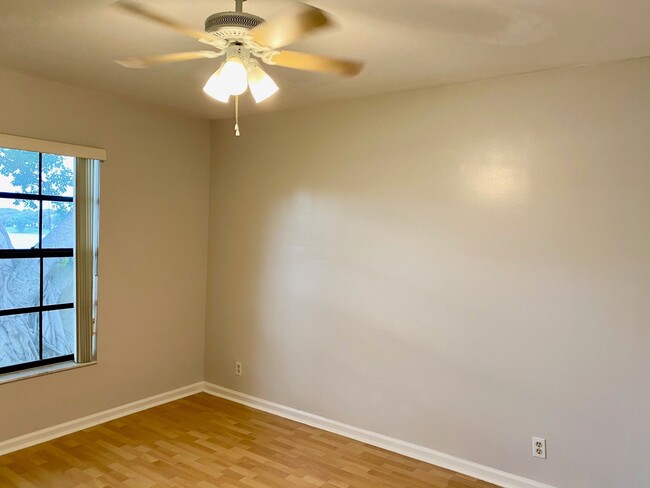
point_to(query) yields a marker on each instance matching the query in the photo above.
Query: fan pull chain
(237, 116)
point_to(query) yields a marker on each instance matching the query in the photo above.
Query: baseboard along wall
(408, 449)
(60, 430)
(469, 468)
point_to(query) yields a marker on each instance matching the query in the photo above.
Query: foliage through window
(37, 269)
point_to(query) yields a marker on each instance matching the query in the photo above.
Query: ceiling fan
(245, 39)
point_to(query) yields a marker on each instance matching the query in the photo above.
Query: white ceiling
(406, 44)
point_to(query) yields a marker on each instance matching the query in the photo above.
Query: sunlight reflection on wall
(497, 177)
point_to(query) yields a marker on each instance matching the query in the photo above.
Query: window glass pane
(58, 281)
(18, 171)
(58, 333)
(30, 282)
(18, 222)
(58, 175)
(18, 339)
(58, 225)
(19, 283)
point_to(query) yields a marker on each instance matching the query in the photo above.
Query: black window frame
(40, 253)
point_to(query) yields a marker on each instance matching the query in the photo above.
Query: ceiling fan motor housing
(231, 20)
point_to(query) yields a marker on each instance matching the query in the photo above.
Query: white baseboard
(49, 433)
(408, 449)
(469, 468)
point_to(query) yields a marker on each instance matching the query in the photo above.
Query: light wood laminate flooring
(205, 442)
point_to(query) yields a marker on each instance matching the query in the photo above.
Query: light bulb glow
(262, 85)
(216, 88)
(234, 76)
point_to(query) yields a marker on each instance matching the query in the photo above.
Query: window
(48, 243)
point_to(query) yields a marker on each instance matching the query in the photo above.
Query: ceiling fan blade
(288, 28)
(320, 64)
(142, 11)
(146, 61)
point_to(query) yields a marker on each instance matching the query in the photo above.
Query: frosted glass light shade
(216, 88)
(262, 85)
(234, 76)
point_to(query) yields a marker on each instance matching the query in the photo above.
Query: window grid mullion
(29, 196)
(54, 252)
(35, 309)
(41, 253)
(40, 246)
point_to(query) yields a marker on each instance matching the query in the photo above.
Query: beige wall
(154, 192)
(462, 268)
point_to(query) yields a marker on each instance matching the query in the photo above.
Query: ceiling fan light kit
(262, 85)
(244, 39)
(216, 88)
(234, 73)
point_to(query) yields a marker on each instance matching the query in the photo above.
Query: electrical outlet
(539, 447)
(238, 368)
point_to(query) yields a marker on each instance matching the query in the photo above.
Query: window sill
(42, 371)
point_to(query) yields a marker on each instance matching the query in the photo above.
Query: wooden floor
(205, 442)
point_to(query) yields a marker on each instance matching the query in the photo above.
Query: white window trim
(62, 149)
(42, 371)
(51, 147)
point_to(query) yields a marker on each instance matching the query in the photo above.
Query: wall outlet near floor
(238, 368)
(539, 447)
